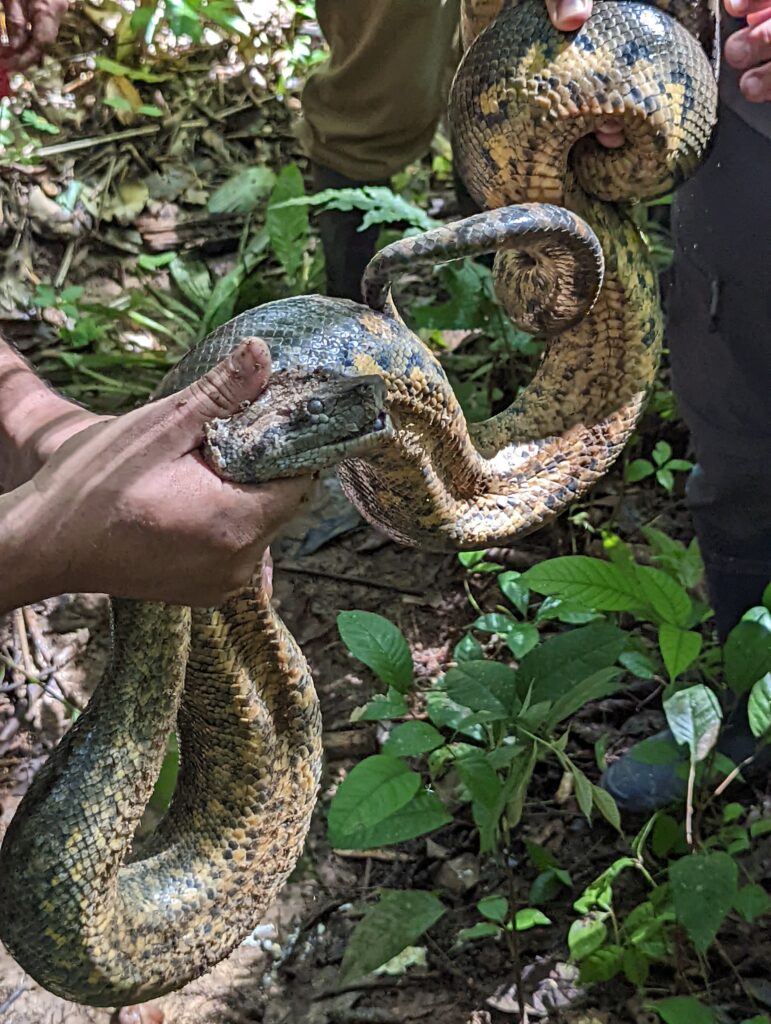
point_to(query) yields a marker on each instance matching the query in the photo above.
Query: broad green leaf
(411, 738)
(112, 67)
(288, 226)
(585, 937)
(396, 921)
(483, 686)
(519, 781)
(445, 713)
(493, 622)
(683, 1010)
(570, 612)
(590, 581)
(759, 706)
(529, 917)
(602, 965)
(484, 786)
(666, 478)
(704, 889)
(382, 707)
(243, 192)
(752, 901)
(583, 789)
(669, 601)
(480, 930)
(374, 789)
(380, 645)
(639, 664)
(747, 655)
(599, 684)
(662, 453)
(494, 908)
(636, 966)
(599, 893)
(679, 648)
(468, 649)
(555, 667)
(514, 590)
(694, 716)
(521, 638)
(667, 834)
(638, 469)
(469, 559)
(423, 814)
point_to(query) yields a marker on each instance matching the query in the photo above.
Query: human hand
(127, 506)
(31, 26)
(749, 49)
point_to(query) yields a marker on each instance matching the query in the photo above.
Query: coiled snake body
(83, 917)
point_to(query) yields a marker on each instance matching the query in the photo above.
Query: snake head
(304, 421)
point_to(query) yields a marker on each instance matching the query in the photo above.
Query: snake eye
(315, 406)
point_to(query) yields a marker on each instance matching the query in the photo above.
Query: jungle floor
(144, 186)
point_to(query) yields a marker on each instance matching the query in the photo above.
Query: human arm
(31, 26)
(127, 506)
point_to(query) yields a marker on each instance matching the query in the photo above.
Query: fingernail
(569, 10)
(238, 360)
(737, 51)
(752, 87)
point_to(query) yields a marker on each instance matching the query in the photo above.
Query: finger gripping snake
(92, 920)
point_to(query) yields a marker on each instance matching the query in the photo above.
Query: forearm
(32, 417)
(28, 570)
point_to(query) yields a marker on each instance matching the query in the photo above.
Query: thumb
(568, 15)
(219, 393)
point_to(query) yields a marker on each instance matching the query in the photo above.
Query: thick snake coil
(86, 918)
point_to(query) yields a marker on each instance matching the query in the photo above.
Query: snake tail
(553, 270)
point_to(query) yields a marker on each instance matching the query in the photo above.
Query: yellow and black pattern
(85, 917)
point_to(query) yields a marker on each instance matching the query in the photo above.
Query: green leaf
(704, 888)
(636, 966)
(483, 686)
(694, 716)
(590, 581)
(288, 226)
(396, 921)
(679, 648)
(243, 192)
(484, 786)
(569, 612)
(480, 930)
(585, 937)
(382, 707)
(669, 601)
(494, 622)
(665, 478)
(747, 655)
(445, 713)
(379, 644)
(423, 814)
(639, 664)
(529, 917)
(494, 908)
(662, 453)
(667, 834)
(469, 559)
(599, 684)
(39, 123)
(193, 280)
(638, 469)
(607, 807)
(752, 901)
(522, 637)
(583, 788)
(556, 667)
(468, 649)
(683, 1010)
(374, 789)
(602, 965)
(759, 706)
(514, 590)
(412, 738)
(381, 206)
(112, 67)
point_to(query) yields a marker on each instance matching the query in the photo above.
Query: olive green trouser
(374, 106)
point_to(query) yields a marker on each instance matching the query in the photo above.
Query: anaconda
(98, 925)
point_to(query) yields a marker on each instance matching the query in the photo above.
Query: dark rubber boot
(638, 787)
(347, 250)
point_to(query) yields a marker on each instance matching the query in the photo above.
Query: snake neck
(106, 927)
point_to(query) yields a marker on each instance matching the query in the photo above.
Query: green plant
(663, 467)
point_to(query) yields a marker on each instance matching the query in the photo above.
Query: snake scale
(87, 918)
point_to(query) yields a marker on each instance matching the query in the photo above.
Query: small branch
(347, 578)
(689, 804)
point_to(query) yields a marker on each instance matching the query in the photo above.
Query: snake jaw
(300, 425)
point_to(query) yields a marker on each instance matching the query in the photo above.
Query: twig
(689, 804)
(390, 856)
(347, 578)
(8, 1003)
(362, 985)
(102, 140)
